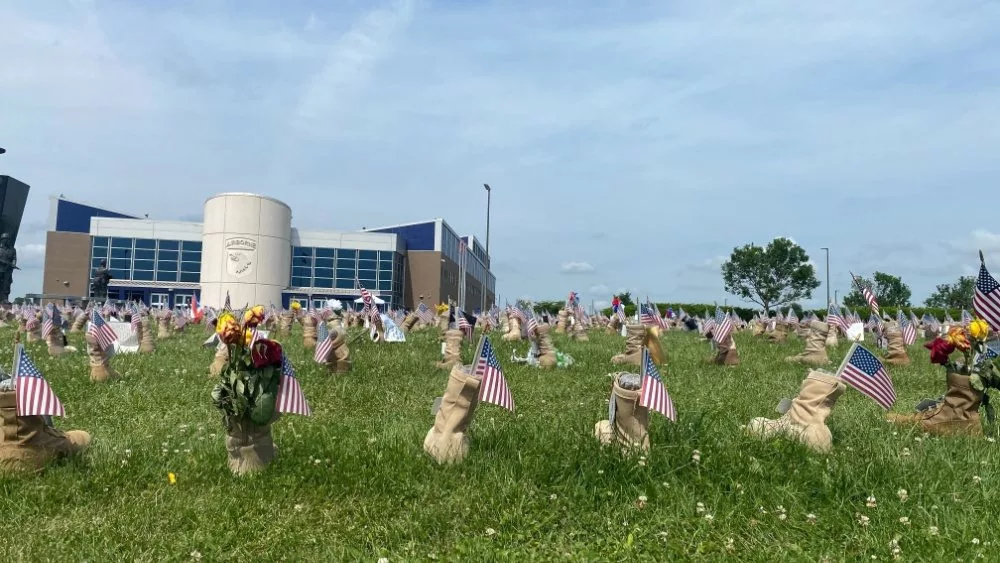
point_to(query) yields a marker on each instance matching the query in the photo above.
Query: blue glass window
(190, 277)
(366, 276)
(146, 243)
(189, 256)
(191, 267)
(323, 272)
(323, 262)
(119, 274)
(344, 283)
(121, 253)
(301, 271)
(95, 262)
(325, 252)
(345, 274)
(299, 251)
(100, 241)
(167, 265)
(367, 264)
(168, 255)
(143, 264)
(300, 282)
(169, 244)
(385, 285)
(117, 242)
(166, 275)
(347, 253)
(367, 255)
(142, 275)
(121, 264)
(323, 282)
(145, 255)
(192, 245)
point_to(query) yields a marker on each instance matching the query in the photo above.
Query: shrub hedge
(745, 313)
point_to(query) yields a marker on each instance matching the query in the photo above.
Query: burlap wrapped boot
(447, 441)
(779, 334)
(79, 322)
(309, 332)
(452, 349)
(614, 325)
(163, 328)
(219, 361)
(630, 426)
(34, 329)
(956, 415)
(340, 358)
(408, 322)
(896, 353)
(633, 346)
(514, 334)
(55, 342)
(562, 322)
(285, 320)
(805, 420)
(578, 332)
(815, 352)
(100, 371)
(27, 443)
(546, 350)
(444, 319)
(832, 340)
(250, 447)
(146, 343)
(726, 355)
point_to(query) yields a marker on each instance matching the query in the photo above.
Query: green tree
(889, 290)
(771, 277)
(626, 298)
(956, 295)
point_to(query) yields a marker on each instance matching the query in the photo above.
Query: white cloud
(30, 256)
(599, 289)
(602, 304)
(708, 266)
(576, 268)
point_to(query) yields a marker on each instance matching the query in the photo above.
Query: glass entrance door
(159, 300)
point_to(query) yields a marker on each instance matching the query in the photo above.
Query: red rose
(940, 350)
(265, 353)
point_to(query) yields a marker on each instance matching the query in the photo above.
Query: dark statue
(100, 281)
(8, 263)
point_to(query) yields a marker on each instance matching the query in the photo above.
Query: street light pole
(489, 193)
(827, 274)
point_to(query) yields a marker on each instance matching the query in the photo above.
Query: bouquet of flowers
(977, 358)
(248, 388)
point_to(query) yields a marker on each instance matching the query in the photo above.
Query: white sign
(241, 253)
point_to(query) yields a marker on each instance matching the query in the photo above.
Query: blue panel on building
(75, 217)
(419, 236)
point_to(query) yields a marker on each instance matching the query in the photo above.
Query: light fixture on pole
(827, 274)
(482, 282)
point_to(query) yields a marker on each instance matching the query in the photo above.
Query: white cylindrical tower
(246, 250)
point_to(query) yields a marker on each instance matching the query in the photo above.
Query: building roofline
(101, 207)
(251, 194)
(425, 222)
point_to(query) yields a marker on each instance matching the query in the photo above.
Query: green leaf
(262, 412)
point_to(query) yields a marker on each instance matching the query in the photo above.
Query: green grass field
(353, 483)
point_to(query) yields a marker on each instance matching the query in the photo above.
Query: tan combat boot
(146, 343)
(250, 446)
(34, 332)
(447, 441)
(957, 415)
(633, 346)
(562, 322)
(408, 322)
(780, 332)
(100, 371)
(578, 332)
(727, 354)
(55, 342)
(815, 352)
(805, 420)
(27, 443)
(630, 427)
(78, 323)
(309, 332)
(514, 334)
(896, 354)
(163, 328)
(832, 338)
(340, 357)
(546, 350)
(452, 349)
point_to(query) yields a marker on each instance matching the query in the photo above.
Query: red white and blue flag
(101, 330)
(986, 299)
(290, 398)
(34, 397)
(654, 394)
(723, 326)
(324, 344)
(865, 372)
(494, 388)
(908, 329)
(834, 318)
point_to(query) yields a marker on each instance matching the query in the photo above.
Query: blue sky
(630, 145)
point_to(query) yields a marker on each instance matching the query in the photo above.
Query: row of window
(148, 259)
(330, 268)
(451, 247)
(145, 243)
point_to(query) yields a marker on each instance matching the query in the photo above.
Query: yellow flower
(253, 316)
(227, 328)
(956, 336)
(442, 308)
(248, 336)
(296, 305)
(979, 329)
(171, 478)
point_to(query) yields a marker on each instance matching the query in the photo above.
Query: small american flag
(791, 316)
(425, 314)
(529, 320)
(723, 326)
(324, 344)
(50, 319)
(966, 317)
(494, 386)
(463, 323)
(834, 318)
(647, 317)
(986, 299)
(654, 394)
(619, 311)
(908, 329)
(34, 396)
(869, 297)
(865, 372)
(290, 398)
(101, 330)
(136, 318)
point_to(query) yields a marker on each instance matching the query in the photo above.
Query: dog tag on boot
(442, 349)
(436, 406)
(783, 406)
